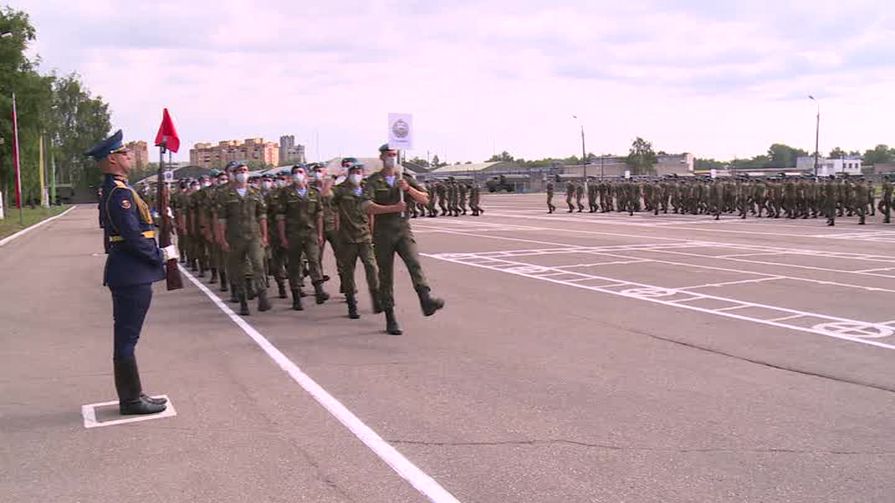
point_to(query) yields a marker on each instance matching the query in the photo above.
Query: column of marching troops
(785, 197)
(449, 198)
(279, 226)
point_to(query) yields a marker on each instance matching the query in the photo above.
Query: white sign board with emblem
(400, 131)
(169, 176)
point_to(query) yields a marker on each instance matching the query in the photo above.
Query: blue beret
(385, 148)
(102, 149)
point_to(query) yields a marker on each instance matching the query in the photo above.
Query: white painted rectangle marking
(88, 412)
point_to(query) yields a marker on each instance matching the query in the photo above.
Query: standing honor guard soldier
(134, 261)
(392, 234)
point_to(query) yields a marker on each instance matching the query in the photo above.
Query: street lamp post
(583, 151)
(816, 136)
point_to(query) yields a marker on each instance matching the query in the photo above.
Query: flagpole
(16, 161)
(52, 175)
(42, 173)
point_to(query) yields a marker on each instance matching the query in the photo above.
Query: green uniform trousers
(350, 252)
(387, 242)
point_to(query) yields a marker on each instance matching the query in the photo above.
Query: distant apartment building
(827, 167)
(140, 154)
(254, 151)
(290, 153)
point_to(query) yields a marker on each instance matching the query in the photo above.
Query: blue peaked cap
(102, 149)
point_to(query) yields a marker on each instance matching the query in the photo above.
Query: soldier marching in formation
(783, 197)
(242, 230)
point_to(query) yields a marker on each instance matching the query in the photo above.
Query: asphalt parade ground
(580, 358)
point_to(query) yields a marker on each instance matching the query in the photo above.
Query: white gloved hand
(170, 253)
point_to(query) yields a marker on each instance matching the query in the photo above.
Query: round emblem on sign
(400, 129)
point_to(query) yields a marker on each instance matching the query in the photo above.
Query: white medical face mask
(281, 183)
(298, 178)
(206, 184)
(265, 185)
(356, 178)
(242, 177)
(389, 162)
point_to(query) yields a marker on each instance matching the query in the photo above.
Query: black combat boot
(352, 306)
(193, 265)
(243, 304)
(377, 305)
(201, 270)
(224, 282)
(281, 288)
(263, 301)
(250, 289)
(296, 300)
(429, 304)
(391, 324)
(234, 298)
(131, 399)
(319, 295)
(214, 276)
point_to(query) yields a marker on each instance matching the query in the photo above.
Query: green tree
(79, 122)
(436, 163)
(706, 164)
(503, 156)
(419, 162)
(837, 153)
(879, 155)
(641, 157)
(59, 109)
(784, 156)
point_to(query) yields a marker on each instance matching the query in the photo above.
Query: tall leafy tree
(80, 121)
(837, 153)
(784, 156)
(59, 109)
(641, 158)
(879, 155)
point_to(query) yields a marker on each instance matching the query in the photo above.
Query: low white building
(827, 167)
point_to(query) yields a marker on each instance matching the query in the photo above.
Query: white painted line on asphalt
(589, 250)
(726, 283)
(792, 317)
(88, 412)
(401, 465)
(732, 308)
(595, 264)
(520, 269)
(28, 229)
(735, 255)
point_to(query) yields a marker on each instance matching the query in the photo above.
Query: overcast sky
(719, 78)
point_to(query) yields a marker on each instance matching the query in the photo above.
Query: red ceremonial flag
(167, 135)
(15, 153)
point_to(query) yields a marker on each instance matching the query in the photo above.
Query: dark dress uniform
(133, 263)
(392, 235)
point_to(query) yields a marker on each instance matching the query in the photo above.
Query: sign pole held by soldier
(400, 137)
